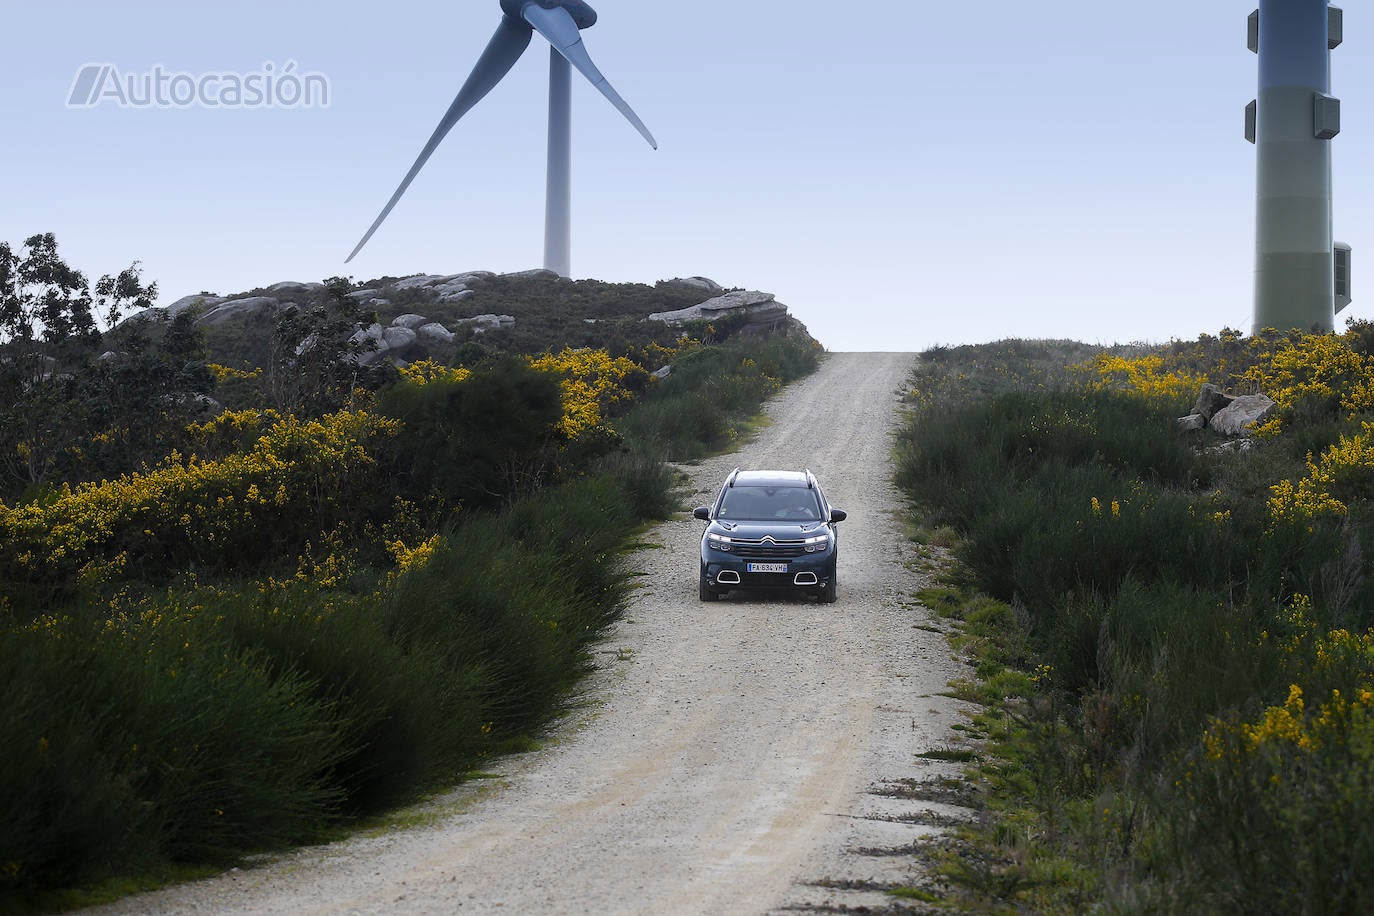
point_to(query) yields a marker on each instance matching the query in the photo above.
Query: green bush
(152, 740)
(480, 441)
(198, 723)
(1162, 611)
(703, 405)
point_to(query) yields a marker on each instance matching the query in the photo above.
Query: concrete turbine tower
(560, 22)
(1302, 277)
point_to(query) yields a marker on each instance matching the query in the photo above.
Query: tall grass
(702, 405)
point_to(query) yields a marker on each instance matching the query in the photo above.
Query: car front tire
(705, 591)
(830, 592)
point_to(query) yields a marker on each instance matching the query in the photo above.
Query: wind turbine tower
(1302, 276)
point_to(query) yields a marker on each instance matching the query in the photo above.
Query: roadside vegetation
(227, 631)
(1171, 633)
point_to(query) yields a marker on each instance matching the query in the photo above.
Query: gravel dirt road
(755, 755)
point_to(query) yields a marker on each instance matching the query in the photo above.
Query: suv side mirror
(702, 512)
(838, 515)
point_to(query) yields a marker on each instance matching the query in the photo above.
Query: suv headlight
(817, 543)
(718, 541)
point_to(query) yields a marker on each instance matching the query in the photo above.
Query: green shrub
(1166, 600)
(479, 441)
(222, 716)
(703, 405)
(151, 740)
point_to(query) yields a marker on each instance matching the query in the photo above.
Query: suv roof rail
(730, 481)
(810, 480)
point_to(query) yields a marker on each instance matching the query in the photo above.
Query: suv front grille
(767, 549)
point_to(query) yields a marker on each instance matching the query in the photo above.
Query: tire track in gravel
(725, 757)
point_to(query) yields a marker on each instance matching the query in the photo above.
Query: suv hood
(779, 529)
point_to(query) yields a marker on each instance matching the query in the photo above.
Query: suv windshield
(758, 503)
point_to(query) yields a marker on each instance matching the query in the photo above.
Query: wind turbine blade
(504, 49)
(558, 27)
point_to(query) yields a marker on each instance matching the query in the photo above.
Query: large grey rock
(156, 313)
(361, 294)
(417, 281)
(399, 338)
(291, 289)
(1211, 399)
(238, 309)
(409, 321)
(186, 302)
(1191, 423)
(455, 291)
(435, 331)
(373, 333)
(705, 284)
(168, 312)
(1242, 413)
(751, 303)
(531, 274)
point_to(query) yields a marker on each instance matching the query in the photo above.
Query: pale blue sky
(910, 174)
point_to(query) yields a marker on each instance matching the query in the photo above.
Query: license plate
(767, 567)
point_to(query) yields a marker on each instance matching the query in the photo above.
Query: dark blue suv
(769, 529)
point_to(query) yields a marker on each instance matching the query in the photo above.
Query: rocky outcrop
(705, 284)
(1192, 423)
(1242, 414)
(186, 302)
(537, 273)
(290, 289)
(1227, 414)
(1210, 399)
(431, 322)
(450, 293)
(418, 281)
(753, 303)
(242, 308)
(435, 332)
(399, 339)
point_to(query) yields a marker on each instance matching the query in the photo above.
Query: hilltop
(434, 315)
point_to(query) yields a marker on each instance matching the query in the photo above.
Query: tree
(49, 334)
(317, 362)
(44, 301)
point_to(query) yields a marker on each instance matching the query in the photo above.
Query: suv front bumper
(723, 571)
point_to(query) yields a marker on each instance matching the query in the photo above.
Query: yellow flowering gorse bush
(1343, 714)
(427, 370)
(1147, 376)
(592, 382)
(1320, 368)
(299, 473)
